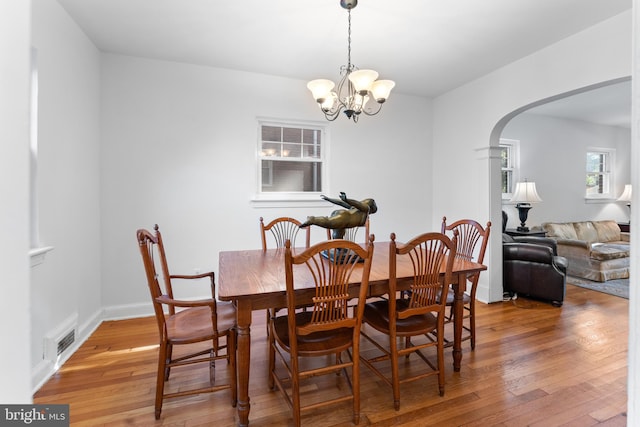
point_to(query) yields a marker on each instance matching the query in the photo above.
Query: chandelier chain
(349, 43)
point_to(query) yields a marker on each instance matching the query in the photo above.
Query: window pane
(507, 181)
(292, 150)
(270, 149)
(311, 136)
(597, 183)
(596, 162)
(312, 151)
(292, 176)
(292, 135)
(271, 133)
(505, 156)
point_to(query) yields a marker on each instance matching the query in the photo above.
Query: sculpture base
(341, 255)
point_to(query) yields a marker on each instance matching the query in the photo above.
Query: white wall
(68, 283)
(473, 117)
(633, 399)
(179, 147)
(14, 191)
(552, 154)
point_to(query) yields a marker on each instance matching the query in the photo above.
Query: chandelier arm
(373, 113)
(332, 116)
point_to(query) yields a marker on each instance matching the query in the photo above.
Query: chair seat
(377, 315)
(194, 324)
(325, 342)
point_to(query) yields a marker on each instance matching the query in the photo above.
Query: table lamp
(524, 195)
(626, 197)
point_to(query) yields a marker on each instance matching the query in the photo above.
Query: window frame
(610, 154)
(295, 197)
(514, 158)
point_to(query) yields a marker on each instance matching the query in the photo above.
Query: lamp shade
(380, 89)
(321, 89)
(526, 193)
(626, 194)
(362, 80)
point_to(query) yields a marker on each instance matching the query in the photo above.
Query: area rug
(617, 287)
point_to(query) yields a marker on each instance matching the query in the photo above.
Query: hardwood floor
(534, 365)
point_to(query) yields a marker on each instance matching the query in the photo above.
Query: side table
(534, 233)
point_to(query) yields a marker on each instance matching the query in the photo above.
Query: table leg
(459, 287)
(243, 361)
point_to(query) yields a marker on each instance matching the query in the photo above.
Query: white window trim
(289, 199)
(38, 252)
(515, 147)
(605, 197)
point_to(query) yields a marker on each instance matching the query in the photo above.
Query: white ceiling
(427, 46)
(608, 105)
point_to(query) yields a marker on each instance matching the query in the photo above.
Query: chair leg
(355, 374)
(268, 320)
(272, 360)
(395, 379)
(295, 391)
(212, 368)
(440, 360)
(168, 354)
(472, 323)
(163, 373)
(232, 350)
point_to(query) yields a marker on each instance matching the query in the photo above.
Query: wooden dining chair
(327, 328)
(190, 324)
(472, 245)
(411, 319)
(281, 229)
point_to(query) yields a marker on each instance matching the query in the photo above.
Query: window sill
(288, 200)
(38, 255)
(597, 200)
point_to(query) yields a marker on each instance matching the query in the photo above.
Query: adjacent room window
(291, 159)
(599, 174)
(509, 149)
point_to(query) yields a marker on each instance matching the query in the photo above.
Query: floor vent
(60, 340)
(66, 341)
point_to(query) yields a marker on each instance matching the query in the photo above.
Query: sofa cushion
(604, 252)
(586, 231)
(608, 231)
(560, 230)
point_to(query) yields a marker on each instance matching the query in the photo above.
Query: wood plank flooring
(534, 365)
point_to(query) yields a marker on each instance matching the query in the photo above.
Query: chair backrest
(428, 253)
(153, 256)
(351, 233)
(283, 229)
(331, 266)
(470, 233)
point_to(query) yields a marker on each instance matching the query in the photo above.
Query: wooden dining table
(255, 280)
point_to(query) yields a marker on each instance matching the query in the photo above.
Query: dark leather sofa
(532, 267)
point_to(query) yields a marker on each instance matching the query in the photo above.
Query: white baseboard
(41, 373)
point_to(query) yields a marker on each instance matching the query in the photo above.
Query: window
(509, 159)
(291, 159)
(599, 173)
(37, 252)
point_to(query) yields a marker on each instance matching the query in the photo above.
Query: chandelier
(356, 90)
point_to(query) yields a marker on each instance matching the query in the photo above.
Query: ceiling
(427, 47)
